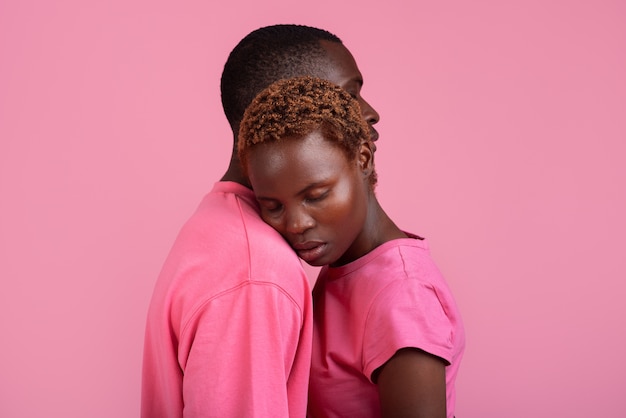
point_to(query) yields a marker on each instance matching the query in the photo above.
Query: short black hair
(266, 55)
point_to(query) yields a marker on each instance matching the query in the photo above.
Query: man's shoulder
(227, 228)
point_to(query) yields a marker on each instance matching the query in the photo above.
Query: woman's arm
(412, 384)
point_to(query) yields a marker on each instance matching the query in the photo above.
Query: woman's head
(309, 156)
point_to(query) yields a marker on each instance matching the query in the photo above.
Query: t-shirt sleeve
(238, 351)
(406, 313)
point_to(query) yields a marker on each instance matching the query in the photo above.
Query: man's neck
(234, 171)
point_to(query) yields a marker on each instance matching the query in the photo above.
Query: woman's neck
(377, 229)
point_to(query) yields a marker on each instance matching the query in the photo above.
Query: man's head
(277, 52)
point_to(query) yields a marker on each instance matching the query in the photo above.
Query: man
(229, 327)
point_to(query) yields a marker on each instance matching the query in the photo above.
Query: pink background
(502, 140)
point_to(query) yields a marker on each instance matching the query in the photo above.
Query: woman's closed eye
(270, 206)
(317, 197)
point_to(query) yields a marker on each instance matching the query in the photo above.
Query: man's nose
(370, 114)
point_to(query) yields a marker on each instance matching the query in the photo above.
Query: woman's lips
(310, 251)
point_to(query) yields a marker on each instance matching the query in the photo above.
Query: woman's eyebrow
(312, 186)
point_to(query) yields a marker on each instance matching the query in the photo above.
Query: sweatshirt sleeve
(238, 354)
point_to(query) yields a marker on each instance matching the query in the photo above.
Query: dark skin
(315, 197)
(309, 190)
(412, 384)
(339, 68)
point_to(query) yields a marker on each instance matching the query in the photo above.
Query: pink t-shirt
(392, 298)
(229, 327)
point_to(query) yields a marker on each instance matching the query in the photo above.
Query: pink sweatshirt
(229, 327)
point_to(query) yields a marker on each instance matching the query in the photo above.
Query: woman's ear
(366, 158)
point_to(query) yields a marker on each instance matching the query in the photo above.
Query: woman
(388, 337)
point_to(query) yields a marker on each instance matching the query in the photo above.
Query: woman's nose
(299, 221)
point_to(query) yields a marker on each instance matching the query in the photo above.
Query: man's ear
(366, 158)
